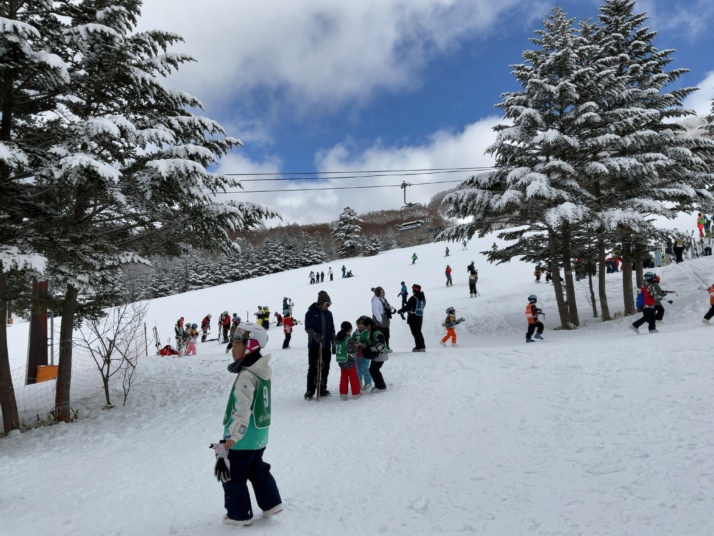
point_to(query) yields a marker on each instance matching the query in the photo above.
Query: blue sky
(327, 85)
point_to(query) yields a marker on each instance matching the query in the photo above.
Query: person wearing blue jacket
(320, 329)
(403, 293)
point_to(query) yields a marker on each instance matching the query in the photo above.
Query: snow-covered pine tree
(30, 76)
(346, 233)
(127, 175)
(535, 184)
(371, 245)
(640, 163)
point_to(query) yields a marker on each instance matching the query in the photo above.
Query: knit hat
(416, 287)
(323, 297)
(377, 291)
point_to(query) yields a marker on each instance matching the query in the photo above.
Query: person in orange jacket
(288, 324)
(534, 325)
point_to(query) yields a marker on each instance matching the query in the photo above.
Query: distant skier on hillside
(414, 258)
(447, 272)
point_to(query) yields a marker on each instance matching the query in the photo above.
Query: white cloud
(691, 18)
(701, 101)
(442, 150)
(315, 52)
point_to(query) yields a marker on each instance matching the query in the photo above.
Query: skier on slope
(648, 311)
(534, 325)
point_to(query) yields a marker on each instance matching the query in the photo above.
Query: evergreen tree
(30, 77)
(640, 163)
(535, 184)
(347, 233)
(126, 166)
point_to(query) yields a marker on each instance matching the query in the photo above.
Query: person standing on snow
(450, 324)
(320, 329)
(700, 224)
(288, 324)
(446, 253)
(246, 426)
(205, 327)
(375, 350)
(659, 308)
(403, 293)
(447, 272)
(414, 258)
(382, 312)
(534, 325)
(224, 324)
(473, 278)
(329, 272)
(415, 310)
(344, 271)
(648, 312)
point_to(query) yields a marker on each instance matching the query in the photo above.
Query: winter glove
(222, 469)
(670, 301)
(334, 350)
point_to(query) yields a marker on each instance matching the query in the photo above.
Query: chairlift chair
(408, 205)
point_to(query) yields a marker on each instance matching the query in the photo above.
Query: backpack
(640, 300)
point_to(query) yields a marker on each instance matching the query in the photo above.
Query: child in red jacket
(288, 324)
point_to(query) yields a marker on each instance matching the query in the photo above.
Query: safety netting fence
(36, 401)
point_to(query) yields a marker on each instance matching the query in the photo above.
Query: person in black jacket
(320, 329)
(415, 309)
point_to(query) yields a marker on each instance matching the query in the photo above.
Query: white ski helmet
(450, 310)
(251, 331)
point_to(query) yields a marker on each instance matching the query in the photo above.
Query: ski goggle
(240, 335)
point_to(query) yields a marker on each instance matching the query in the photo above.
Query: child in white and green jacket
(245, 430)
(346, 357)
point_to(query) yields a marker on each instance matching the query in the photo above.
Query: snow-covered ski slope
(596, 432)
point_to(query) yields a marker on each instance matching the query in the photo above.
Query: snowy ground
(593, 432)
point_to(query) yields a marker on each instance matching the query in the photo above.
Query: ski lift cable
(311, 175)
(333, 188)
(358, 176)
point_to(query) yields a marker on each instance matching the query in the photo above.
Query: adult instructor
(415, 311)
(320, 329)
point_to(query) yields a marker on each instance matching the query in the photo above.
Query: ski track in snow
(596, 431)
